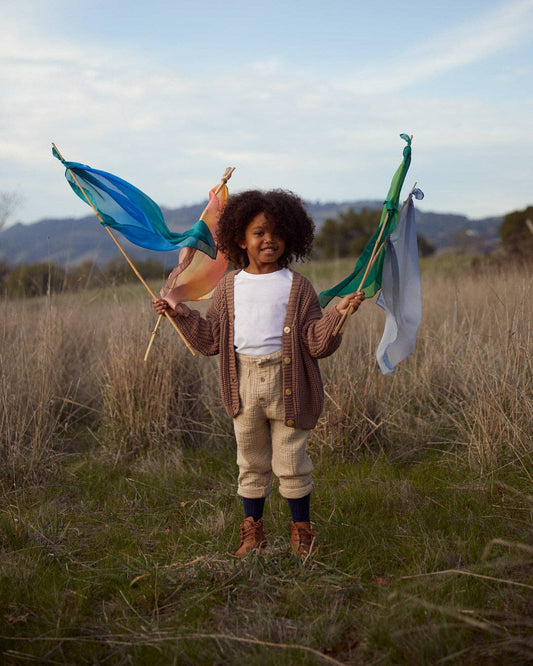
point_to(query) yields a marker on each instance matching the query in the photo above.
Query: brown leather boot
(252, 536)
(303, 539)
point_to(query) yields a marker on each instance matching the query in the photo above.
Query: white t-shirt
(260, 308)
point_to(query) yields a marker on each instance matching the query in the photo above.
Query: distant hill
(69, 241)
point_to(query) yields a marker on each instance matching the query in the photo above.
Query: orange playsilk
(196, 274)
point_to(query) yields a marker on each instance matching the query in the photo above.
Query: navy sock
(300, 509)
(253, 507)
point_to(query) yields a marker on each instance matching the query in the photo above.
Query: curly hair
(281, 207)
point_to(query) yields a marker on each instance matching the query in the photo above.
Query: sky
(310, 96)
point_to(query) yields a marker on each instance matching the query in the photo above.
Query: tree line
(42, 278)
(516, 232)
(347, 234)
(343, 236)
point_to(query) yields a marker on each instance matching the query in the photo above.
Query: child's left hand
(353, 300)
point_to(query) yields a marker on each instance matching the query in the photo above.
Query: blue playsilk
(400, 295)
(131, 212)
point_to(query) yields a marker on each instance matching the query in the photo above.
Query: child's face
(263, 245)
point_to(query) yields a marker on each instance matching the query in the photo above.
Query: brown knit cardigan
(307, 336)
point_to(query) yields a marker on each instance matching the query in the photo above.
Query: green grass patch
(132, 564)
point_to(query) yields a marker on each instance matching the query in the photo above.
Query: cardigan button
(287, 329)
(290, 422)
(288, 391)
(287, 360)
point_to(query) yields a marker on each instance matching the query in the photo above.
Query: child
(266, 324)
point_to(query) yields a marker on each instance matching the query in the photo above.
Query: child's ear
(241, 243)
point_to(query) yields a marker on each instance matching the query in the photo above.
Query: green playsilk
(389, 218)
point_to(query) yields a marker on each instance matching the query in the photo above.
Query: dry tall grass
(467, 387)
(49, 381)
(72, 373)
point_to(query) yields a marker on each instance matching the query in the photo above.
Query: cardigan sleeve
(318, 327)
(204, 334)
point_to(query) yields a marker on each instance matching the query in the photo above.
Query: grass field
(119, 513)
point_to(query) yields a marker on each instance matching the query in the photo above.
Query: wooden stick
(133, 267)
(339, 329)
(348, 313)
(152, 337)
(223, 181)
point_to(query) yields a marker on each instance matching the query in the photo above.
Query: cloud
(172, 132)
(498, 29)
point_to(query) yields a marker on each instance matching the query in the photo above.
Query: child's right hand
(161, 306)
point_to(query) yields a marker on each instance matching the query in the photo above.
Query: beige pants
(264, 443)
